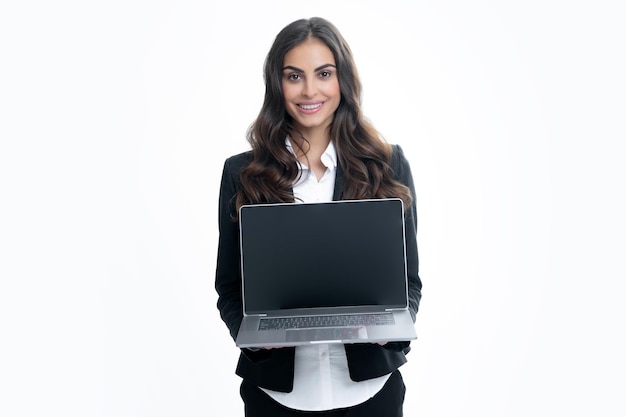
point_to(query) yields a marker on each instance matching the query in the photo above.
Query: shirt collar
(329, 157)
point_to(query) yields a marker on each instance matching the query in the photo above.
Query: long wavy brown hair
(362, 153)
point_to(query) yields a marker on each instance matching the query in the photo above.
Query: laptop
(331, 272)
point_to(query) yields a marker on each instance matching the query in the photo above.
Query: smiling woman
(311, 143)
(311, 89)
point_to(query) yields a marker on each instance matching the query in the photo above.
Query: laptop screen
(336, 254)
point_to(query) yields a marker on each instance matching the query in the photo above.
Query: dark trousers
(387, 402)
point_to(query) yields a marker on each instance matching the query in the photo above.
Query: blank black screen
(342, 253)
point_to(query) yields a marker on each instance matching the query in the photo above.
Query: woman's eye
(293, 77)
(325, 74)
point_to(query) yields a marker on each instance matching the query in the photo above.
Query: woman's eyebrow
(321, 67)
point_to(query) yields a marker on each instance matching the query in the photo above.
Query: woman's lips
(310, 108)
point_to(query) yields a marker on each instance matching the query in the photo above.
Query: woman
(311, 143)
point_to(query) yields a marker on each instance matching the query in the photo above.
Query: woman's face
(310, 85)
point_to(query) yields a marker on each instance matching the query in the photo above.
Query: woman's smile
(310, 108)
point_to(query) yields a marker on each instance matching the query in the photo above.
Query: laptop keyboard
(281, 323)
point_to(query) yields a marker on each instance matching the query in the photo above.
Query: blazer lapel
(338, 192)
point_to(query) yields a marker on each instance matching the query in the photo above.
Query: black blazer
(273, 368)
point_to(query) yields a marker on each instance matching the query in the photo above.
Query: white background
(115, 120)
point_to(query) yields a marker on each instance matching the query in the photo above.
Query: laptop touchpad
(338, 334)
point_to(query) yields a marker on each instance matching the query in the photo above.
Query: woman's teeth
(310, 106)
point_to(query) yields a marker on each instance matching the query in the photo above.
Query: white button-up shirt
(321, 377)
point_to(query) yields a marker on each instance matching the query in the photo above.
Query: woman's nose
(308, 88)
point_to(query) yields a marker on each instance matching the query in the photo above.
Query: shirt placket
(326, 386)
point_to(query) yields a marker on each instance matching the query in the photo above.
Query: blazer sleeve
(228, 271)
(402, 172)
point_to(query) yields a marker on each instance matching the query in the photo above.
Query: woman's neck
(309, 148)
(311, 143)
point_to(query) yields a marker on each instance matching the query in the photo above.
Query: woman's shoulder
(397, 155)
(238, 160)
